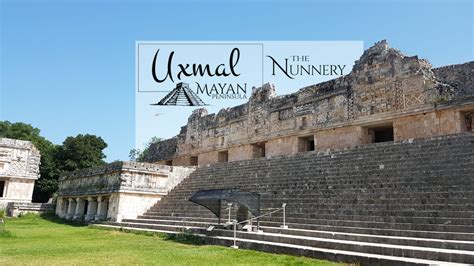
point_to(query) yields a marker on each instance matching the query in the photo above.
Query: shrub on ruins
(140, 155)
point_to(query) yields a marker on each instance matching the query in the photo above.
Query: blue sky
(68, 67)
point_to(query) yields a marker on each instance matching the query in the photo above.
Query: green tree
(79, 152)
(139, 155)
(75, 153)
(48, 170)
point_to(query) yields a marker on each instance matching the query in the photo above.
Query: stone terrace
(392, 203)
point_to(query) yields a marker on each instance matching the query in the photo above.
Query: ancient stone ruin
(375, 167)
(115, 191)
(388, 96)
(19, 169)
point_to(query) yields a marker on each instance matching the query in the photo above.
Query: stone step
(363, 223)
(389, 199)
(354, 246)
(352, 212)
(372, 192)
(357, 171)
(347, 229)
(451, 156)
(333, 255)
(327, 207)
(382, 185)
(395, 240)
(367, 163)
(294, 198)
(319, 201)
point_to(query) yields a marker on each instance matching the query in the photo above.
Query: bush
(2, 213)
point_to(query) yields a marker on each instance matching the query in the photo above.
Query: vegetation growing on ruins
(74, 153)
(50, 241)
(139, 155)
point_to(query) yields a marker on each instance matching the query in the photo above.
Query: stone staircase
(403, 203)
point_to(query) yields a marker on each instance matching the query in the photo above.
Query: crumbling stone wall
(460, 77)
(161, 150)
(384, 85)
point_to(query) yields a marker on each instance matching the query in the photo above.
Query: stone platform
(115, 191)
(15, 209)
(391, 203)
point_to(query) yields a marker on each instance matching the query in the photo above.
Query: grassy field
(48, 241)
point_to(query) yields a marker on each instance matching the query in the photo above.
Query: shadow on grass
(180, 237)
(185, 238)
(55, 219)
(6, 234)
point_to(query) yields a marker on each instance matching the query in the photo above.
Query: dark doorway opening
(193, 160)
(469, 121)
(223, 156)
(258, 150)
(169, 162)
(381, 133)
(306, 144)
(2, 188)
(86, 206)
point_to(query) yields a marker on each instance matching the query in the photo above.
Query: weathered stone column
(91, 208)
(71, 208)
(80, 204)
(102, 205)
(63, 207)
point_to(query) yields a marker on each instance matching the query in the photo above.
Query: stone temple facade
(388, 96)
(115, 191)
(406, 199)
(19, 169)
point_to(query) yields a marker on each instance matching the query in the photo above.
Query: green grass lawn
(48, 241)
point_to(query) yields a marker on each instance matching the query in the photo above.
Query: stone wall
(281, 146)
(162, 151)
(441, 122)
(241, 152)
(385, 88)
(343, 137)
(15, 209)
(19, 169)
(459, 77)
(115, 191)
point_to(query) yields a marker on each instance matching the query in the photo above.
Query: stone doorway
(193, 161)
(306, 144)
(258, 150)
(2, 188)
(469, 121)
(381, 133)
(223, 156)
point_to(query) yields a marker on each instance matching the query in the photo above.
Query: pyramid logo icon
(182, 95)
